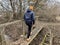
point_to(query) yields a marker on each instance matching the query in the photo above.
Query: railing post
(23, 28)
(51, 37)
(23, 34)
(2, 36)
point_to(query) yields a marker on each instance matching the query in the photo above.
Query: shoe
(28, 39)
(31, 33)
(21, 35)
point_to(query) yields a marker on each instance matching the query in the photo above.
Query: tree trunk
(13, 8)
(20, 12)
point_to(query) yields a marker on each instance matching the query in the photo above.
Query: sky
(58, 0)
(0, 0)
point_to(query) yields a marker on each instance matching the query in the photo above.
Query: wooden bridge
(22, 41)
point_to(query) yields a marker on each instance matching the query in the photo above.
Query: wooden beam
(43, 40)
(36, 31)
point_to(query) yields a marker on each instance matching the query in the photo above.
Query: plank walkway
(35, 32)
(48, 23)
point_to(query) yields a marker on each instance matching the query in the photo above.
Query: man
(29, 20)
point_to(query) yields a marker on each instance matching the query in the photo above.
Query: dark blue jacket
(31, 15)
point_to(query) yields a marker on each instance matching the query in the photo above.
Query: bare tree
(20, 12)
(13, 8)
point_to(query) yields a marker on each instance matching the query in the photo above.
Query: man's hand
(33, 22)
(34, 26)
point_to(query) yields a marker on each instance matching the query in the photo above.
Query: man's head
(31, 7)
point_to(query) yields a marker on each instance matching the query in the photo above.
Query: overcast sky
(0, 0)
(49, 3)
(58, 0)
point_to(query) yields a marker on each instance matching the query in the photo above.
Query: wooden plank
(46, 44)
(43, 40)
(36, 31)
(51, 37)
(50, 23)
(9, 23)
